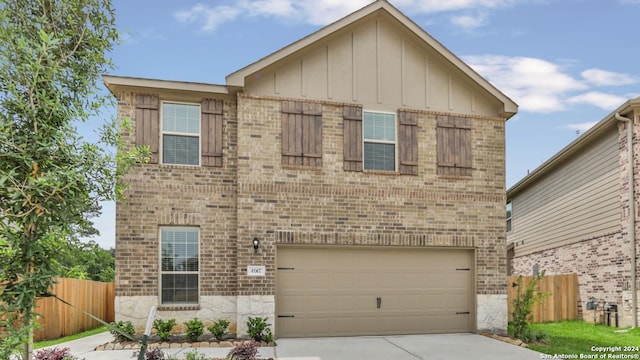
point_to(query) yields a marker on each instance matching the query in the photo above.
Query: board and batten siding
(379, 64)
(579, 200)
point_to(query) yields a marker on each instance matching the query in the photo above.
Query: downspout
(632, 219)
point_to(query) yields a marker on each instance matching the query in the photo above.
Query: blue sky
(567, 63)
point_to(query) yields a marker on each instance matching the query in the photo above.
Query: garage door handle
(462, 312)
(286, 316)
(379, 301)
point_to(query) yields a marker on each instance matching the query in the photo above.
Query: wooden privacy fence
(60, 319)
(560, 304)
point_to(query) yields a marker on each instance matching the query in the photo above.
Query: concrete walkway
(405, 347)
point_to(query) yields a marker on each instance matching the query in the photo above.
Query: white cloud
(469, 22)
(598, 99)
(604, 78)
(535, 84)
(581, 127)
(432, 6)
(323, 12)
(209, 18)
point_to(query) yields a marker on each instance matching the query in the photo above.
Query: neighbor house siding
(578, 201)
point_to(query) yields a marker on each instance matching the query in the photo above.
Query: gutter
(632, 219)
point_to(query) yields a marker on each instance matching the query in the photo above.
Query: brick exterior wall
(327, 205)
(254, 196)
(173, 195)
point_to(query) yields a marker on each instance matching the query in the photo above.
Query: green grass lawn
(578, 337)
(45, 343)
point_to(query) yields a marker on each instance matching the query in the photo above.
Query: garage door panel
(334, 291)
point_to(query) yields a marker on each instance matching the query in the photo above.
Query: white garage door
(364, 291)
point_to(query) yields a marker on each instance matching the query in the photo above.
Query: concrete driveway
(404, 347)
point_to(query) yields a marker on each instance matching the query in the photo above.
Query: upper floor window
(376, 141)
(379, 136)
(509, 210)
(180, 133)
(179, 255)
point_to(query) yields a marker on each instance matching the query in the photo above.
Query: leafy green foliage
(194, 355)
(219, 329)
(52, 54)
(244, 351)
(195, 328)
(87, 261)
(526, 297)
(125, 327)
(259, 329)
(164, 327)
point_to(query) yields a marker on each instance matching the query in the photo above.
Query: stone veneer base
(492, 313)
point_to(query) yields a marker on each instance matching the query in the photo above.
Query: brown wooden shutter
(291, 132)
(148, 124)
(454, 145)
(408, 143)
(301, 133)
(211, 132)
(312, 134)
(352, 139)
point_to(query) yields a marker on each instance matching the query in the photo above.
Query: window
(509, 210)
(180, 133)
(179, 283)
(379, 136)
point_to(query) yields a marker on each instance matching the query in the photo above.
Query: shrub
(195, 328)
(194, 355)
(54, 354)
(521, 310)
(258, 329)
(152, 354)
(125, 327)
(164, 327)
(219, 328)
(244, 351)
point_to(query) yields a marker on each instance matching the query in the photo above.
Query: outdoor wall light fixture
(256, 245)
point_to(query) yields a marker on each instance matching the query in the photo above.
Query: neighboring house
(571, 215)
(351, 183)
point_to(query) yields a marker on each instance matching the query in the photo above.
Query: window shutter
(312, 134)
(301, 133)
(408, 138)
(211, 132)
(148, 124)
(291, 132)
(352, 140)
(454, 145)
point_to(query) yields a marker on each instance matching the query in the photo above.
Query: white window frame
(394, 143)
(162, 132)
(161, 272)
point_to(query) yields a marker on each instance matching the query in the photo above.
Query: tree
(527, 295)
(87, 261)
(52, 54)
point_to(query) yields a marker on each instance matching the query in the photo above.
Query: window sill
(178, 307)
(382, 172)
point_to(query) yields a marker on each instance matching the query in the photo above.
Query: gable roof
(237, 79)
(586, 139)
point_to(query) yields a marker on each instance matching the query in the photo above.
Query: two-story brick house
(350, 183)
